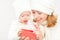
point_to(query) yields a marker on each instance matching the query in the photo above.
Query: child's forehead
(26, 13)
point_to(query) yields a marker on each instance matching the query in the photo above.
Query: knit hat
(46, 6)
(21, 6)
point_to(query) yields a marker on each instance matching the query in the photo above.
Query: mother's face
(39, 16)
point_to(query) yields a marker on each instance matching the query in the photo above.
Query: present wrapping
(28, 33)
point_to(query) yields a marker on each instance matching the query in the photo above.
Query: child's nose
(25, 18)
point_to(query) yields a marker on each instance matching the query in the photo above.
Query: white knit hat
(20, 6)
(46, 6)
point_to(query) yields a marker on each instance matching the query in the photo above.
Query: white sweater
(15, 27)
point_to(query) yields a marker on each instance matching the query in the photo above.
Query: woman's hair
(51, 20)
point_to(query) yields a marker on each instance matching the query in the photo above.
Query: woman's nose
(40, 18)
(37, 16)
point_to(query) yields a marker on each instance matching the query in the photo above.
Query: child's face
(39, 16)
(25, 16)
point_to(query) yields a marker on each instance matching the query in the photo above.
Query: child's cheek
(22, 19)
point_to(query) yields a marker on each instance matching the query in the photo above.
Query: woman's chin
(40, 22)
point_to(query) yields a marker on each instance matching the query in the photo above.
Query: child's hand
(22, 38)
(19, 32)
(26, 38)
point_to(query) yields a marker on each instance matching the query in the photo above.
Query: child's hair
(51, 20)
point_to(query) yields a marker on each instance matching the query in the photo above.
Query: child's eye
(39, 13)
(22, 16)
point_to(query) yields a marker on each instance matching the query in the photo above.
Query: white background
(7, 14)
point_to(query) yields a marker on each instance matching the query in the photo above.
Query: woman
(44, 22)
(43, 12)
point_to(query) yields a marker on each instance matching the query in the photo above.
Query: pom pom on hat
(21, 6)
(46, 6)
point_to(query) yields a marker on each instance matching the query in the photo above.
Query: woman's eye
(33, 12)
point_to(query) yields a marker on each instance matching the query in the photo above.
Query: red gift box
(28, 33)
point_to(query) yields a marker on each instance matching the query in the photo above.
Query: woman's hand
(38, 32)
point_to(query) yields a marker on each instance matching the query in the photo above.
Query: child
(23, 14)
(25, 28)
